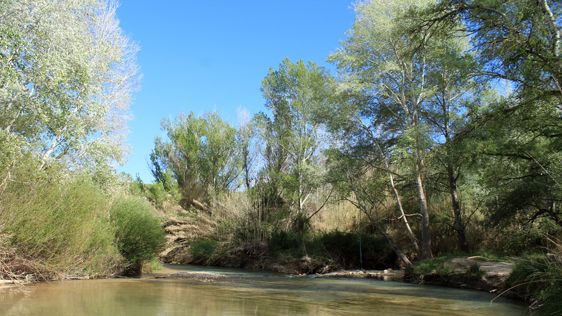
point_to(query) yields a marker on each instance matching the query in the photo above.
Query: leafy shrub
(343, 248)
(202, 250)
(61, 225)
(281, 240)
(516, 239)
(538, 278)
(157, 194)
(346, 249)
(138, 233)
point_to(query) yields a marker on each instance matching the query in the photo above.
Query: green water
(245, 293)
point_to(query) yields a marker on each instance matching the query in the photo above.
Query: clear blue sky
(205, 56)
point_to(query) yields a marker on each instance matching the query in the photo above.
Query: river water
(246, 293)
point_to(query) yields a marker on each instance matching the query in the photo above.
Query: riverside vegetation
(66, 75)
(440, 135)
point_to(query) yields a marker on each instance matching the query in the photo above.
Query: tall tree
(456, 97)
(378, 61)
(516, 42)
(203, 155)
(293, 93)
(66, 75)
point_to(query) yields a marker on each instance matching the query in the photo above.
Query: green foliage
(138, 233)
(440, 266)
(295, 93)
(157, 193)
(344, 248)
(517, 239)
(538, 278)
(64, 89)
(516, 141)
(61, 225)
(340, 248)
(203, 250)
(202, 155)
(66, 76)
(516, 40)
(282, 241)
(434, 265)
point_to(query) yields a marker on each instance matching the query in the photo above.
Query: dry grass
(342, 216)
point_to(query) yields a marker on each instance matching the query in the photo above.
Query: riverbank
(189, 241)
(473, 272)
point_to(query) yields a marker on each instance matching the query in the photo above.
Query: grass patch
(432, 266)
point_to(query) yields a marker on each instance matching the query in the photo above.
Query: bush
(281, 241)
(60, 226)
(346, 248)
(157, 194)
(202, 250)
(342, 248)
(138, 233)
(538, 278)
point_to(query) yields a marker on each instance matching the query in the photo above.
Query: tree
(203, 155)
(66, 75)
(456, 96)
(516, 42)
(377, 61)
(356, 181)
(294, 93)
(246, 139)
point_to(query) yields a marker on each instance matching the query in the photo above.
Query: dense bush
(343, 248)
(281, 240)
(203, 250)
(138, 233)
(347, 248)
(61, 225)
(538, 278)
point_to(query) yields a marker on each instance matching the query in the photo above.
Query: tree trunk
(420, 169)
(246, 166)
(411, 235)
(394, 246)
(458, 222)
(425, 233)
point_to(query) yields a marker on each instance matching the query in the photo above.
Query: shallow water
(246, 293)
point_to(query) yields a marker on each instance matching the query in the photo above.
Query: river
(245, 293)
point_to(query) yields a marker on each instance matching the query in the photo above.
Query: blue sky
(205, 56)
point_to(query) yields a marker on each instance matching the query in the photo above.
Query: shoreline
(460, 278)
